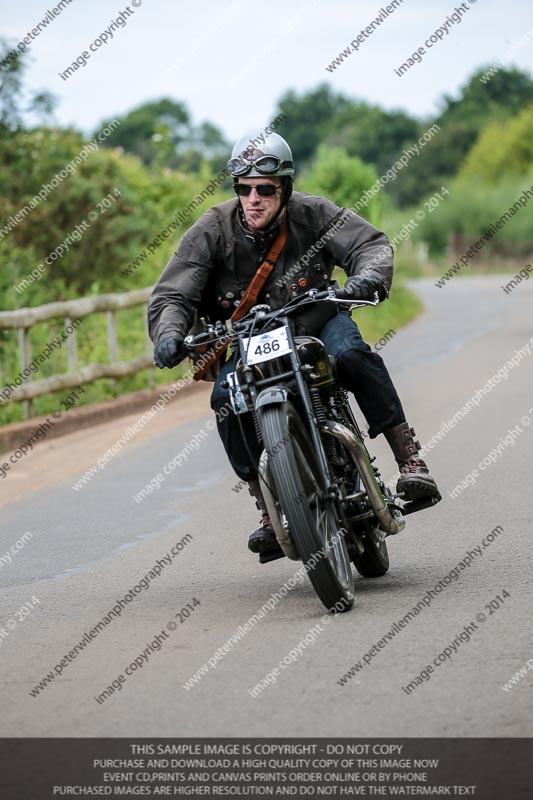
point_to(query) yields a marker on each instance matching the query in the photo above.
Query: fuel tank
(311, 351)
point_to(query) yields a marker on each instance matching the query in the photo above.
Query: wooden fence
(493, 249)
(24, 319)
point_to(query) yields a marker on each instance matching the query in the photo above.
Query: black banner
(487, 769)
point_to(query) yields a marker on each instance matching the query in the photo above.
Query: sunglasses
(263, 189)
(264, 164)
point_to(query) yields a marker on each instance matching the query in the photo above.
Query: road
(89, 547)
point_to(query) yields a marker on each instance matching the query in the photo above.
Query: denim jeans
(361, 371)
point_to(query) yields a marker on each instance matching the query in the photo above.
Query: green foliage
(139, 204)
(402, 307)
(472, 207)
(435, 165)
(40, 103)
(308, 119)
(156, 162)
(342, 179)
(142, 204)
(503, 149)
(10, 87)
(461, 121)
(152, 131)
(375, 136)
(503, 96)
(161, 133)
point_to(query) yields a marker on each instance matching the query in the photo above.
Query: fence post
(111, 336)
(22, 320)
(25, 359)
(112, 343)
(72, 350)
(453, 247)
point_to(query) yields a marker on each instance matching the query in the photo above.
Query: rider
(214, 264)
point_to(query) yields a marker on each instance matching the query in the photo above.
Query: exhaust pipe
(389, 523)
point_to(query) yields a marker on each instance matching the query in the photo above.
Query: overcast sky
(230, 61)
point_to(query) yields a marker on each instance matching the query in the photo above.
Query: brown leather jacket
(217, 258)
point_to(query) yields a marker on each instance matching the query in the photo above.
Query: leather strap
(250, 296)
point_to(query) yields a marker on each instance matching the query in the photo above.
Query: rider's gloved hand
(359, 287)
(169, 352)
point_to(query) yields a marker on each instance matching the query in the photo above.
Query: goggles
(263, 189)
(266, 165)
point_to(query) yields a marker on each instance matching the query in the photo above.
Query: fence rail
(459, 243)
(24, 319)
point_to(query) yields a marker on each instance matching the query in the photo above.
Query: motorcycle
(327, 502)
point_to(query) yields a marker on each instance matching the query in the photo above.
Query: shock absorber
(339, 400)
(318, 409)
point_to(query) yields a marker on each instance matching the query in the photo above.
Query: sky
(229, 62)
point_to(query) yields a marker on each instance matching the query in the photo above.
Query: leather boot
(414, 482)
(263, 539)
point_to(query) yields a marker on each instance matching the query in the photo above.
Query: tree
(10, 89)
(308, 119)
(502, 150)
(372, 134)
(461, 121)
(12, 68)
(434, 166)
(343, 179)
(503, 96)
(161, 133)
(142, 203)
(161, 125)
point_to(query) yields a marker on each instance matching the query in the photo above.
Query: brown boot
(263, 539)
(414, 482)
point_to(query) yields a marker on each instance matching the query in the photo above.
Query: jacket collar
(265, 236)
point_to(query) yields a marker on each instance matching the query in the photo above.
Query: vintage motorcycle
(326, 500)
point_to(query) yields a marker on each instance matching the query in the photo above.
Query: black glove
(169, 352)
(358, 287)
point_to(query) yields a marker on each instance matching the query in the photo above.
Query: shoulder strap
(250, 296)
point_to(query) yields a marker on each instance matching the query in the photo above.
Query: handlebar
(265, 314)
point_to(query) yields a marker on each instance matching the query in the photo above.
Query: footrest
(264, 558)
(420, 505)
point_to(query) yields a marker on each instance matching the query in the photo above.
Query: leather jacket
(218, 256)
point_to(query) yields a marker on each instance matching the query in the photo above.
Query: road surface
(89, 547)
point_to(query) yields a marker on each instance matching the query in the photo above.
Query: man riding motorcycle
(217, 259)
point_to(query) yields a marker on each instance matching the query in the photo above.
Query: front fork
(279, 523)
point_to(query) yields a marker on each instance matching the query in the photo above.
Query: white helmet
(259, 154)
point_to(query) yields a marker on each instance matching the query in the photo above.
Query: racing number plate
(266, 346)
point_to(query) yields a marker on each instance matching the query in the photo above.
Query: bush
(343, 179)
(149, 199)
(143, 202)
(471, 207)
(503, 149)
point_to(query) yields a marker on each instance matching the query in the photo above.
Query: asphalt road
(89, 547)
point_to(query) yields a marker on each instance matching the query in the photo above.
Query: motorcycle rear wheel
(374, 562)
(314, 522)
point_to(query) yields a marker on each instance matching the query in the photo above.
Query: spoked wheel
(375, 560)
(314, 521)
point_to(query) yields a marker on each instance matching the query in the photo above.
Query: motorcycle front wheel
(375, 560)
(314, 521)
